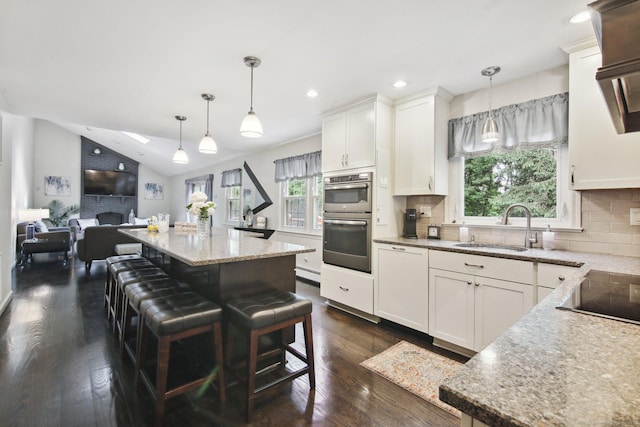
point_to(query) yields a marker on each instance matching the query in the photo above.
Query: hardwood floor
(60, 366)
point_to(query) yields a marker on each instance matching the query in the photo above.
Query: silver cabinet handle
(573, 169)
(474, 265)
(469, 282)
(430, 183)
(561, 278)
(477, 284)
(344, 289)
(346, 159)
(395, 248)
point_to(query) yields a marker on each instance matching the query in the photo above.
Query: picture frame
(153, 191)
(57, 185)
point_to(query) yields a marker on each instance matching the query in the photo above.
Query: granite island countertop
(222, 246)
(552, 367)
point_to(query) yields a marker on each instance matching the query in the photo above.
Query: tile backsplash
(605, 223)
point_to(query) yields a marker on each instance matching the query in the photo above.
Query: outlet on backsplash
(424, 211)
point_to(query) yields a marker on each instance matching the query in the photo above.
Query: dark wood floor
(60, 366)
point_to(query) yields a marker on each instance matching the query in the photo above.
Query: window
(529, 165)
(302, 204)
(232, 202)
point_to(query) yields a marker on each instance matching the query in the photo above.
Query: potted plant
(59, 213)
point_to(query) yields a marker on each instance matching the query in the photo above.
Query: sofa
(97, 242)
(54, 239)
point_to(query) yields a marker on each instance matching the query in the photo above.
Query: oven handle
(343, 222)
(346, 187)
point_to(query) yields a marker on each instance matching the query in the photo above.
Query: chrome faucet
(529, 238)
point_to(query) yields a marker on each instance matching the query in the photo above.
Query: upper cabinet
(599, 158)
(351, 135)
(421, 165)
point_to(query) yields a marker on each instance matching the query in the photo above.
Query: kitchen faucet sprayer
(529, 238)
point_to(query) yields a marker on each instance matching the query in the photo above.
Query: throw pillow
(84, 223)
(41, 227)
(141, 221)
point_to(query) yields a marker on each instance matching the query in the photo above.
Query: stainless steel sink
(491, 246)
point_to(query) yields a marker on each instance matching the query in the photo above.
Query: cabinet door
(451, 308)
(414, 139)
(360, 147)
(403, 286)
(599, 158)
(498, 305)
(334, 134)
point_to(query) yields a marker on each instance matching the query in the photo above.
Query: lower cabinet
(348, 287)
(550, 276)
(401, 286)
(470, 310)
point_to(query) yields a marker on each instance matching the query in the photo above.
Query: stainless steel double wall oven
(347, 221)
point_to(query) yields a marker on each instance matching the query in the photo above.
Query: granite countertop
(553, 367)
(223, 246)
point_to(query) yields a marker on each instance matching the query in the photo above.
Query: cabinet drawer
(485, 266)
(347, 287)
(552, 275)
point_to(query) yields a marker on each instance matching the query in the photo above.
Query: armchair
(56, 239)
(113, 218)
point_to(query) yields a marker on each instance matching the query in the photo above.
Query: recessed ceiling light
(312, 93)
(400, 83)
(580, 17)
(141, 139)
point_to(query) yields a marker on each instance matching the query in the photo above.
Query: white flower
(197, 196)
(198, 205)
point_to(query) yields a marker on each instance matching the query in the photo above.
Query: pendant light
(207, 144)
(490, 131)
(251, 126)
(180, 156)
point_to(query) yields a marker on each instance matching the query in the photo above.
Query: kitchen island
(227, 264)
(552, 367)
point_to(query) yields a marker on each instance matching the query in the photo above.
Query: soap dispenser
(548, 239)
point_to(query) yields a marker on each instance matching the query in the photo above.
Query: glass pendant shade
(490, 130)
(251, 126)
(180, 157)
(208, 145)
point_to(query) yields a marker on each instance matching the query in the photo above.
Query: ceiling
(97, 68)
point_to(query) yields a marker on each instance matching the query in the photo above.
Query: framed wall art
(153, 191)
(57, 186)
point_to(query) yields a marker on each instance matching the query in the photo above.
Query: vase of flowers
(202, 209)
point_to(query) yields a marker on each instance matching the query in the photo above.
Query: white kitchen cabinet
(401, 285)
(349, 287)
(468, 308)
(421, 165)
(599, 158)
(550, 276)
(351, 135)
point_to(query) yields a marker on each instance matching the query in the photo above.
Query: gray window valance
(231, 178)
(297, 167)
(538, 123)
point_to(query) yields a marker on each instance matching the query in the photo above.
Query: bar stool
(262, 314)
(134, 294)
(126, 278)
(116, 264)
(169, 319)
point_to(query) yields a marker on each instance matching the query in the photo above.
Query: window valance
(231, 178)
(538, 123)
(297, 167)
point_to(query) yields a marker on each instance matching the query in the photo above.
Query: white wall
(16, 172)
(148, 207)
(57, 153)
(538, 85)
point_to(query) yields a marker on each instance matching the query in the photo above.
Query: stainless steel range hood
(617, 27)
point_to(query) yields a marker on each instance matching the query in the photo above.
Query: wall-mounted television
(109, 183)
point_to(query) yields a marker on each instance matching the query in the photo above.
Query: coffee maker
(410, 217)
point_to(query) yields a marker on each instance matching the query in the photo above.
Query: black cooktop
(606, 294)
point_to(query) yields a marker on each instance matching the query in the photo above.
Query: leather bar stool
(262, 314)
(134, 294)
(172, 318)
(129, 277)
(115, 266)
